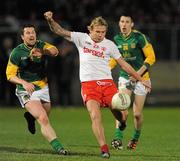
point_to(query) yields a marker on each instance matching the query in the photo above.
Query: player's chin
(124, 31)
(99, 40)
(31, 43)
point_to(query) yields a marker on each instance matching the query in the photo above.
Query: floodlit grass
(159, 141)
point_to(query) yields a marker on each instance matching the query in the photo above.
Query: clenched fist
(36, 54)
(48, 15)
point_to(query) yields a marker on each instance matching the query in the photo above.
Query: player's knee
(137, 116)
(43, 119)
(94, 116)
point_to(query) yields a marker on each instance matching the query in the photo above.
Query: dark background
(159, 20)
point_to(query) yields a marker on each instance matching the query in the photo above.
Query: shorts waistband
(103, 83)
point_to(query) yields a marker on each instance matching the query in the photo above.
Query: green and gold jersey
(136, 50)
(20, 64)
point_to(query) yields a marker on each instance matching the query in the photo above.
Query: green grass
(159, 141)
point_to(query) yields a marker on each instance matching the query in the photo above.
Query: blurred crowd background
(160, 20)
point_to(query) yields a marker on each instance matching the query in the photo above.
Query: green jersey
(24, 67)
(131, 48)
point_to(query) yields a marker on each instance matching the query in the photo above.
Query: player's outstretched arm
(55, 27)
(130, 70)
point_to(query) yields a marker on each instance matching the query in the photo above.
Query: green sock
(56, 145)
(118, 134)
(136, 134)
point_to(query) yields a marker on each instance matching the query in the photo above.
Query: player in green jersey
(26, 69)
(138, 52)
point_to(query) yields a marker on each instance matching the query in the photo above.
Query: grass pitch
(159, 140)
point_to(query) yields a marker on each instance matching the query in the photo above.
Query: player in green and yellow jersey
(26, 69)
(137, 50)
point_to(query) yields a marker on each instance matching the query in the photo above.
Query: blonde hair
(98, 21)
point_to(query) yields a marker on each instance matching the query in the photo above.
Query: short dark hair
(25, 26)
(127, 14)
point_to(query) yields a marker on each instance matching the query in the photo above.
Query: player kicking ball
(97, 86)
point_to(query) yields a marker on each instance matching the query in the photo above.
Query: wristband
(147, 65)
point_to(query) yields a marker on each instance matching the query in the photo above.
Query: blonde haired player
(97, 86)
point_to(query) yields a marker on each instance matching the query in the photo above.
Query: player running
(137, 50)
(26, 69)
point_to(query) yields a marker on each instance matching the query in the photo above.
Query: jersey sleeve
(48, 46)
(44, 45)
(15, 57)
(147, 50)
(76, 37)
(112, 63)
(143, 40)
(149, 55)
(12, 66)
(114, 51)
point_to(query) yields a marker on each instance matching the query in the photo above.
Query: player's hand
(29, 87)
(36, 53)
(132, 79)
(130, 85)
(48, 15)
(147, 85)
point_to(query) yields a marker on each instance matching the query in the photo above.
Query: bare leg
(138, 120)
(31, 120)
(97, 126)
(37, 110)
(138, 111)
(47, 107)
(40, 112)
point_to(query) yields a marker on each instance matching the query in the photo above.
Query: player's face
(125, 24)
(29, 36)
(97, 33)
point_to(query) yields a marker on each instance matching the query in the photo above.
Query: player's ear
(132, 24)
(89, 28)
(22, 37)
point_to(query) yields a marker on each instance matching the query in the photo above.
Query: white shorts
(138, 89)
(40, 95)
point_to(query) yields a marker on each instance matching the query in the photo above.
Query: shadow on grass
(148, 157)
(87, 154)
(23, 150)
(41, 151)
